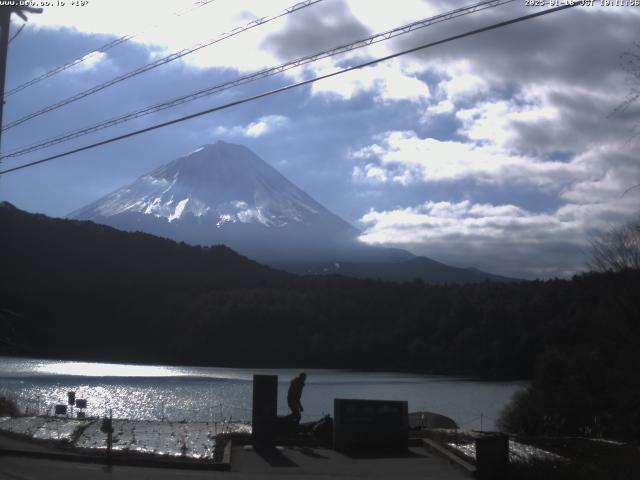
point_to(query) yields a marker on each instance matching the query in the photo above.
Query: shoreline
(262, 368)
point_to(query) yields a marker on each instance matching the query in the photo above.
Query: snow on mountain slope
(224, 193)
(225, 180)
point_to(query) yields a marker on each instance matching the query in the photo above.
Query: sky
(503, 151)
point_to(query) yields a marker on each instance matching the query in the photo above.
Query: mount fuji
(225, 194)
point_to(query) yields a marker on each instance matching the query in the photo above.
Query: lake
(146, 392)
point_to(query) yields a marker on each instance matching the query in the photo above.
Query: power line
(72, 63)
(13, 37)
(258, 75)
(292, 86)
(161, 61)
(93, 53)
(389, 34)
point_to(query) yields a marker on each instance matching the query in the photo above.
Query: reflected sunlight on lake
(148, 392)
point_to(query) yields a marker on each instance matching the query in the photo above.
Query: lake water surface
(145, 392)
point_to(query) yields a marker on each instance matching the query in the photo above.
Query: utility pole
(5, 23)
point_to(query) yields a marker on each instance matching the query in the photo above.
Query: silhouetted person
(294, 395)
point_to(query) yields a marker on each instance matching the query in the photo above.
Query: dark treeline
(492, 330)
(92, 298)
(44, 253)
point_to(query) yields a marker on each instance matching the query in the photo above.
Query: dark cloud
(577, 46)
(326, 25)
(585, 118)
(522, 259)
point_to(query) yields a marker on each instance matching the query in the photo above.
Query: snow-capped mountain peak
(213, 195)
(224, 180)
(225, 194)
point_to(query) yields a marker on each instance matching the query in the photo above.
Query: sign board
(370, 424)
(265, 409)
(81, 403)
(60, 409)
(71, 398)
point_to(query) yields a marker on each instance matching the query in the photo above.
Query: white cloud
(370, 173)
(506, 238)
(493, 121)
(460, 80)
(387, 82)
(90, 62)
(262, 126)
(407, 158)
(444, 106)
(382, 16)
(509, 142)
(164, 33)
(156, 25)
(439, 221)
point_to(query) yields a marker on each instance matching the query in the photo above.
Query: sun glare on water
(89, 369)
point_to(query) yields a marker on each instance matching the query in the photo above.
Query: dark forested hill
(44, 253)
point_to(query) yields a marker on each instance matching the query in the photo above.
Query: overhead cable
(157, 63)
(13, 37)
(290, 87)
(94, 53)
(380, 37)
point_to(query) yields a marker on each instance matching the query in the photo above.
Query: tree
(617, 249)
(630, 63)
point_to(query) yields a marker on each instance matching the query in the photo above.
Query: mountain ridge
(41, 252)
(224, 193)
(217, 171)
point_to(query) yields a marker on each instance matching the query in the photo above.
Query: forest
(77, 290)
